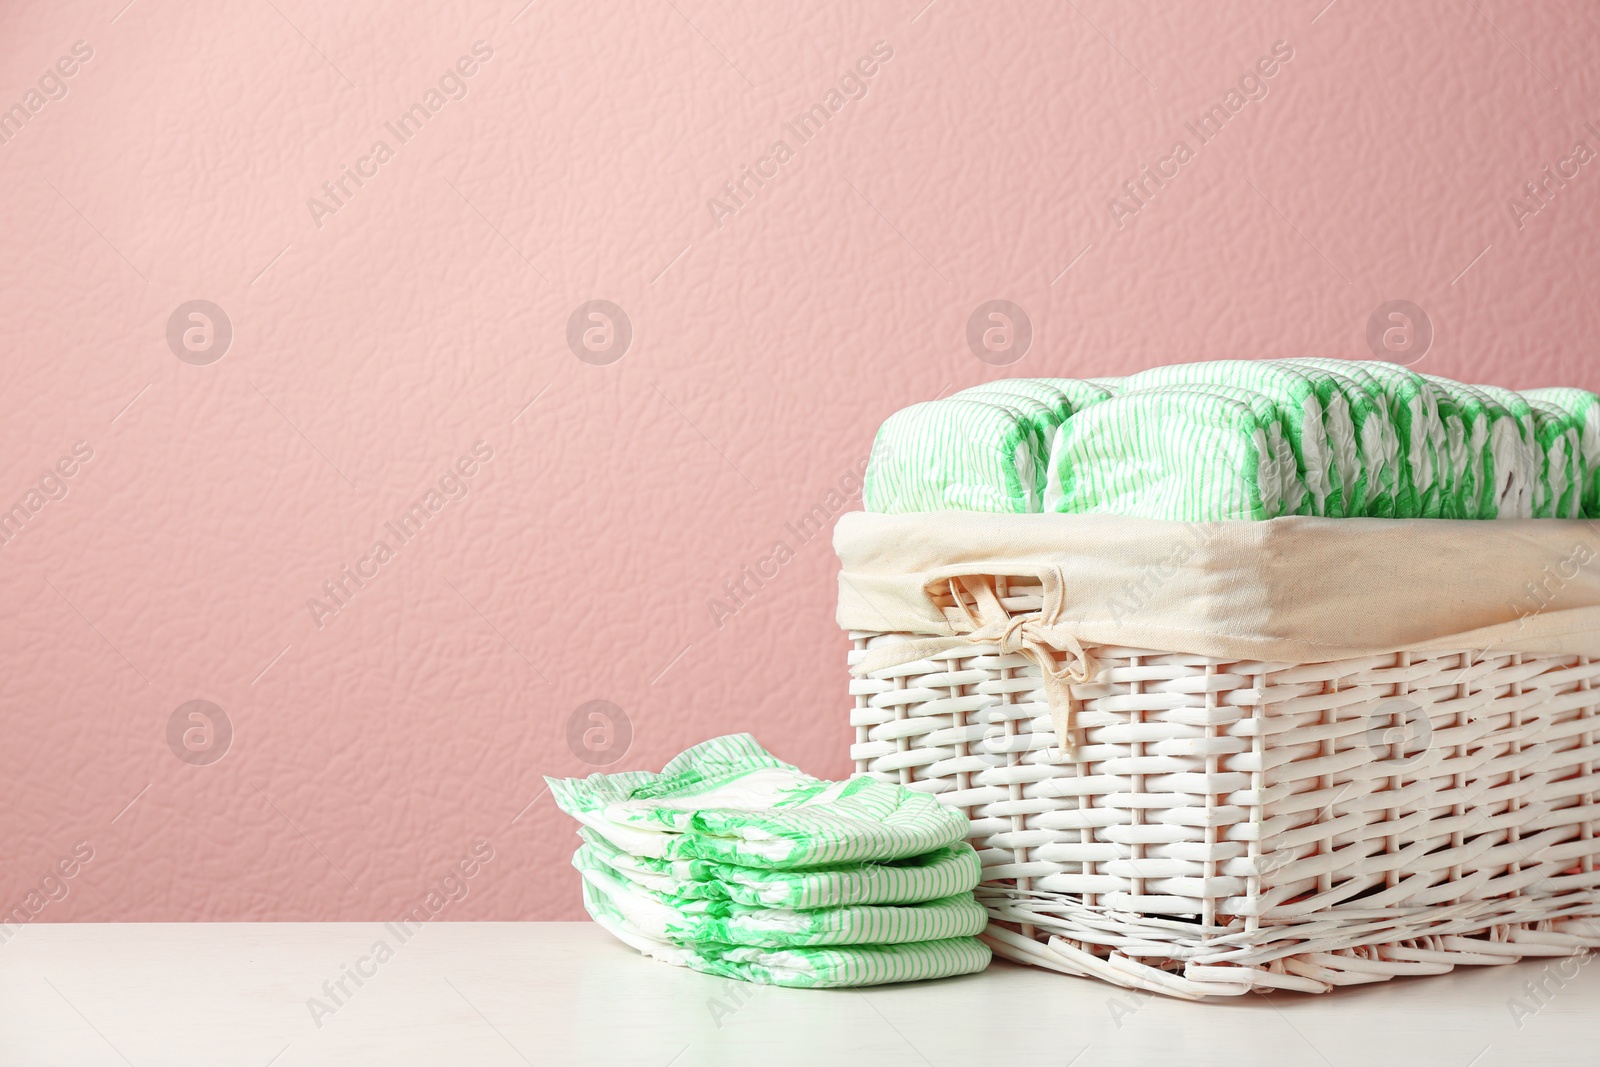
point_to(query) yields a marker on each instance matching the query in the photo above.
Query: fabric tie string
(1039, 636)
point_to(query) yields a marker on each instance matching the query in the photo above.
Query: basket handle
(1037, 635)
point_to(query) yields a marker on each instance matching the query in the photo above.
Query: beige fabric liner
(1291, 590)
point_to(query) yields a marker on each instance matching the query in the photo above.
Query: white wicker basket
(1225, 826)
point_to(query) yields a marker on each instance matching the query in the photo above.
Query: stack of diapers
(737, 864)
(1245, 439)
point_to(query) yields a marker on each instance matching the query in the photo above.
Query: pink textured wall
(409, 335)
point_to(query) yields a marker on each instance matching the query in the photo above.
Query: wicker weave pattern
(1230, 826)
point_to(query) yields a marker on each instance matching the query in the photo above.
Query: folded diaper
(1189, 453)
(1298, 403)
(1584, 408)
(1460, 465)
(956, 455)
(813, 967)
(1521, 448)
(1362, 400)
(732, 801)
(1054, 400)
(1347, 479)
(1416, 436)
(1472, 469)
(1079, 396)
(941, 873)
(1498, 425)
(1558, 490)
(1419, 437)
(1039, 415)
(1084, 393)
(729, 923)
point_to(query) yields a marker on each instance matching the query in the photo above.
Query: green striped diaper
(1413, 405)
(730, 800)
(1584, 409)
(1190, 453)
(1461, 469)
(728, 923)
(1061, 396)
(1499, 428)
(1520, 448)
(1079, 396)
(1466, 420)
(1295, 396)
(1083, 393)
(1040, 415)
(1053, 399)
(813, 967)
(953, 455)
(941, 873)
(1558, 489)
(1347, 472)
(1350, 392)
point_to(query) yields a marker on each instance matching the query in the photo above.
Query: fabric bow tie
(984, 620)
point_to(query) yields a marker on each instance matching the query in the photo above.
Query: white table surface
(565, 993)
